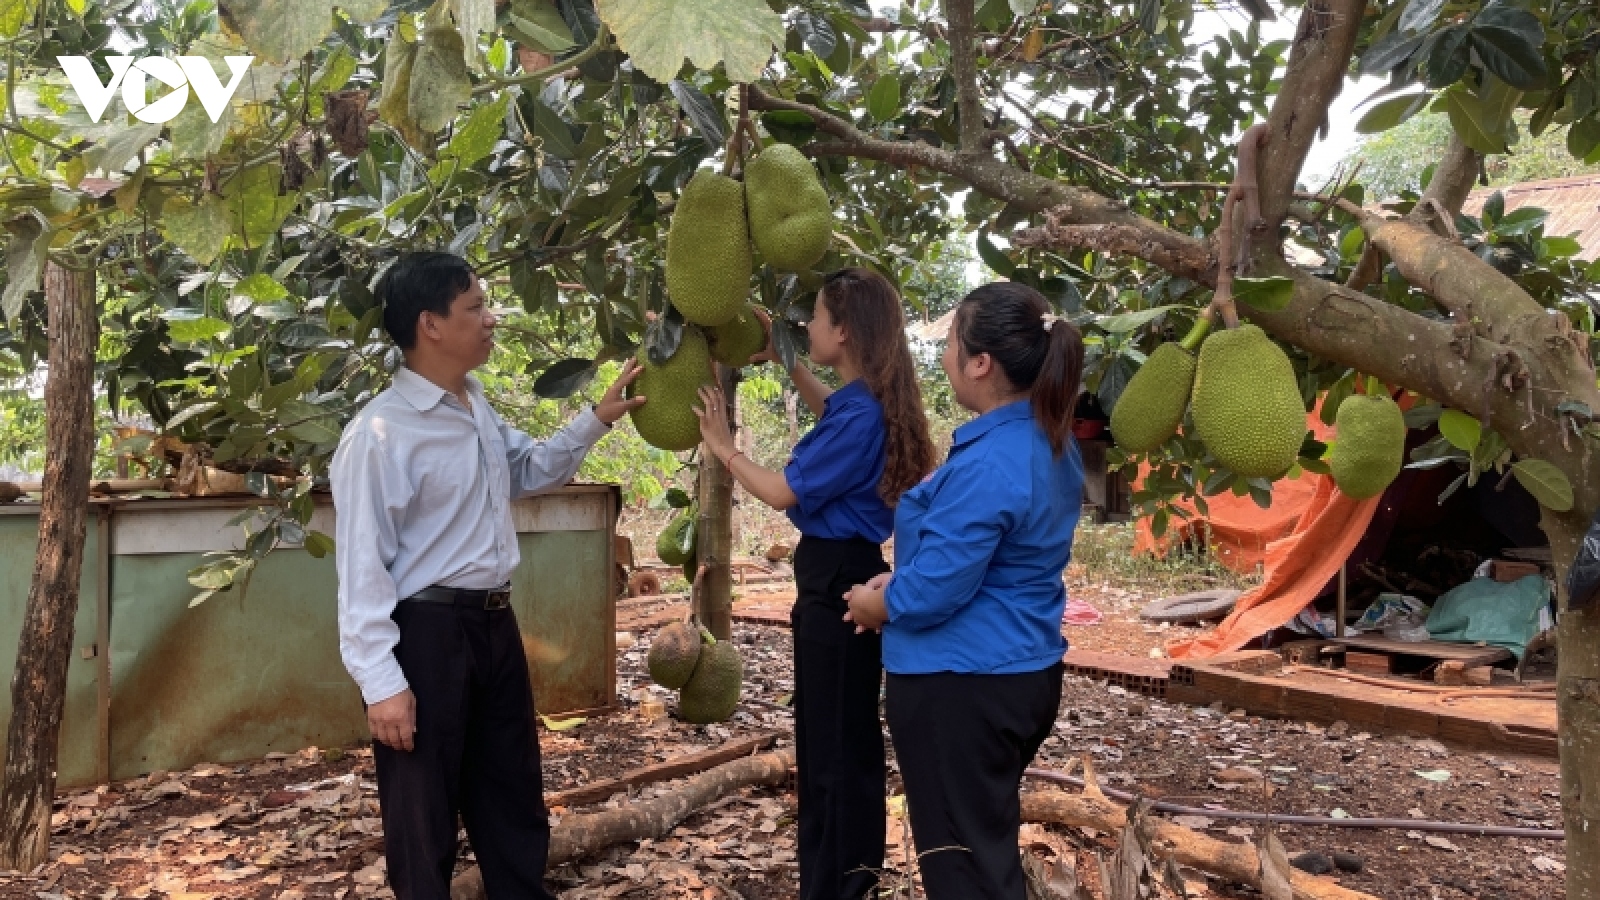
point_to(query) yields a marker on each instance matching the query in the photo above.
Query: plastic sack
(1583, 580)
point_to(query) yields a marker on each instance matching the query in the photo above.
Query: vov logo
(182, 74)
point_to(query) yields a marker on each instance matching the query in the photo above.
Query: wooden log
(1237, 862)
(677, 767)
(581, 835)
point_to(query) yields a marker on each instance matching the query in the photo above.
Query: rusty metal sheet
(566, 613)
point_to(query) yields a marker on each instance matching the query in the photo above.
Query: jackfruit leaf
(704, 114)
(25, 257)
(1472, 120)
(259, 288)
(1391, 112)
(541, 23)
(993, 257)
(1494, 209)
(818, 34)
(440, 85)
(284, 30)
(686, 539)
(1521, 221)
(1337, 393)
(1461, 430)
(1114, 380)
(673, 498)
(1266, 294)
(1125, 322)
(255, 208)
(561, 724)
(190, 331)
(788, 341)
(1547, 484)
(659, 34)
(565, 378)
(318, 544)
(476, 137)
(537, 288)
(1420, 14)
(661, 339)
(883, 100)
(1509, 42)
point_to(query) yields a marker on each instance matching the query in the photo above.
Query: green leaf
(308, 422)
(883, 100)
(1420, 14)
(1547, 484)
(553, 130)
(260, 288)
(190, 331)
(1391, 112)
(318, 544)
(703, 113)
(1560, 247)
(1583, 138)
(394, 104)
(255, 208)
(113, 153)
(440, 85)
(472, 18)
(475, 138)
(1024, 7)
(1470, 119)
(279, 30)
(1520, 221)
(25, 259)
(541, 23)
(1129, 321)
(16, 13)
(565, 378)
(992, 255)
(1512, 54)
(1461, 430)
(1266, 294)
(817, 33)
(659, 34)
(1494, 209)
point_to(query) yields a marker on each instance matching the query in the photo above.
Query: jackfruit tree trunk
(1578, 705)
(714, 533)
(39, 682)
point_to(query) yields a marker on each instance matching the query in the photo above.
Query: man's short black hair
(416, 282)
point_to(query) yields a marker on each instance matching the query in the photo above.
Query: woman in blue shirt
(971, 617)
(870, 445)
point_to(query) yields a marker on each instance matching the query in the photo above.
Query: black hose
(1550, 834)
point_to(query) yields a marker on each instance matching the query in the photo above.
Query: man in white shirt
(422, 482)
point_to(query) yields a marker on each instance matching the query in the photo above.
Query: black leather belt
(499, 598)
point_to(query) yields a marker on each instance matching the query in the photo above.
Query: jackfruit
(667, 418)
(712, 693)
(1151, 406)
(736, 340)
(673, 655)
(1247, 406)
(670, 543)
(708, 250)
(1371, 445)
(790, 218)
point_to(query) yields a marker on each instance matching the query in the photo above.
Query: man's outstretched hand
(613, 405)
(394, 721)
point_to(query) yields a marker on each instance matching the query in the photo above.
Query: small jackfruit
(670, 543)
(1247, 406)
(708, 250)
(672, 391)
(736, 340)
(1151, 406)
(673, 655)
(790, 217)
(1371, 445)
(712, 693)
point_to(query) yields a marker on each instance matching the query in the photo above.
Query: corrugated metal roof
(1573, 203)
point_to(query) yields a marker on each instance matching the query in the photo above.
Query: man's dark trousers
(476, 755)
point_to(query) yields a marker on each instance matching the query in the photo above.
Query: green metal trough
(157, 685)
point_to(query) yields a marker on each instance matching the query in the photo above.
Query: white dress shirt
(422, 488)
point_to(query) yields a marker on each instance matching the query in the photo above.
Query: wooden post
(39, 684)
(1338, 623)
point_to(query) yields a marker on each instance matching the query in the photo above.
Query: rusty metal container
(157, 685)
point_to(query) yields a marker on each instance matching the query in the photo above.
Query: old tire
(1186, 609)
(644, 584)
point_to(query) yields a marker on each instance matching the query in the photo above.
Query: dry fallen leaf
(1442, 843)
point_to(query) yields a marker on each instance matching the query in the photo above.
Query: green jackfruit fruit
(667, 418)
(736, 340)
(790, 218)
(669, 544)
(673, 655)
(708, 250)
(712, 693)
(1371, 445)
(1247, 406)
(1151, 406)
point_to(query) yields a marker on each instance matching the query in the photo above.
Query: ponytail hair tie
(1049, 320)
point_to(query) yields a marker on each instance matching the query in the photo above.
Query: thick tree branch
(1452, 182)
(1193, 261)
(964, 69)
(1323, 44)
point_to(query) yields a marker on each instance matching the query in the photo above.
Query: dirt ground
(305, 826)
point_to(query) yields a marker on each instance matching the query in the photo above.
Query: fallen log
(677, 767)
(581, 835)
(1237, 862)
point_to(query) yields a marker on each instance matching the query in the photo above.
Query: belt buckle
(497, 600)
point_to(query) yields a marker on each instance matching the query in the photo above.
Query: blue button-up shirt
(835, 469)
(979, 551)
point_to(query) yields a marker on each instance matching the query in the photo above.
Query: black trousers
(838, 735)
(962, 742)
(476, 755)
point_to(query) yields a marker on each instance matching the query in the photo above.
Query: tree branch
(1452, 182)
(1324, 41)
(964, 69)
(1193, 261)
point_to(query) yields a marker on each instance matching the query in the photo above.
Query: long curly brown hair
(867, 306)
